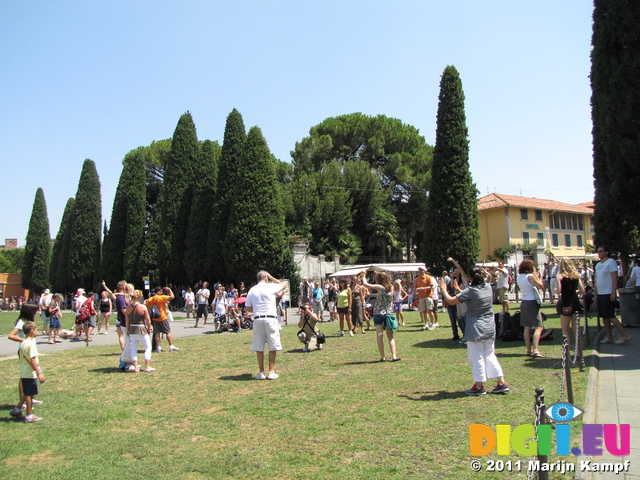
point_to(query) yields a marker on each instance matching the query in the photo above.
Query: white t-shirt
(604, 280)
(262, 298)
(203, 295)
(219, 305)
(189, 298)
(635, 275)
(503, 278)
(525, 286)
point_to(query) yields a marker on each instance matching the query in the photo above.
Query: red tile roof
(495, 200)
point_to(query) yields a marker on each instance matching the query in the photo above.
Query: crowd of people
(468, 298)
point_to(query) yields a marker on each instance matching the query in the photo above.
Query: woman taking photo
(345, 302)
(569, 304)
(480, 330)
(357, 310)
(382, 307)
(528, 279)
(399, 296)
(138, 329)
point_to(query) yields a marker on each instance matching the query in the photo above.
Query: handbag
(390, 320)
(536, 292)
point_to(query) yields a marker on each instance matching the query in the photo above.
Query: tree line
(362, 187)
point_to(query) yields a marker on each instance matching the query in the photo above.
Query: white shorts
(266, 330)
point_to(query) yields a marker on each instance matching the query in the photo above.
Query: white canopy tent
(389, 267)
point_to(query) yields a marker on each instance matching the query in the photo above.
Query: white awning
(389, 267)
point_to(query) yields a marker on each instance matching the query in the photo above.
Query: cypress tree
(202, 207)
(615, 84)
(86, 229)
(452, 207)
(233, 144)
(37, 252)
(59, 271)
(123, 243)
(256, 230)
(175, 199)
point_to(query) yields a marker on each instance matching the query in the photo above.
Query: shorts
(343, 310)
(397, 306)
(502, 295)
(266, 330)
(55, 323)
(378, 319)
(203, 311)
(425, 304)
(91, 322)
(317, 306)
(606, 308)
(162, 326)
(332, 307)
(29, 386)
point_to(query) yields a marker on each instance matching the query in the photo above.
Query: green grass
(333, 414)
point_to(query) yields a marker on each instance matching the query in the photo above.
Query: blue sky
(98, 79)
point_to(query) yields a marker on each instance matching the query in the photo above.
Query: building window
(540, 238)
(554, 240)
(524, 214)
(538, 215)
(525, 238)
(567, 240)
(579, 241)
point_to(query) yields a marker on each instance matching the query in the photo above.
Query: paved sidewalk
(613, 398)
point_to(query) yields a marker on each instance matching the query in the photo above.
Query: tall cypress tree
(37, 252)
(86, 230)
(202, 207)
(123, 243)
(615, 84)
(452, 207)
(256, 225)
(175, 199)
(59, 270)
(233, 145)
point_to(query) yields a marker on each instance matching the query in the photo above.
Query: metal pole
(579, 353)
(540, 420)
(567, 368)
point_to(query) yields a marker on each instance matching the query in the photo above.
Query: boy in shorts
(30, 371)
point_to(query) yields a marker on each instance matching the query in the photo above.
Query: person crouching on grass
(30, 372)
(479, 332)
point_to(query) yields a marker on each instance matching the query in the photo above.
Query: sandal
(538, 355)
(528, 354)
(383, 359)
(397, 359)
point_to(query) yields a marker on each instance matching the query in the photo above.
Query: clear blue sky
(96, 79)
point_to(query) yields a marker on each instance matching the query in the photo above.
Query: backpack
(84, 312)
(511, 329)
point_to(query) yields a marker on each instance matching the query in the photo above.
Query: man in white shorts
(261, 301)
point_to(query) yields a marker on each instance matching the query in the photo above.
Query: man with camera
(161, 324)
(308, 333)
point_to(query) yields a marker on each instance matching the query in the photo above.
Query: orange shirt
(424, 281)
(161, 302)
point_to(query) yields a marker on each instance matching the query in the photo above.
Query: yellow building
(562, 228)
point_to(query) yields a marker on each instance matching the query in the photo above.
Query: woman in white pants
(138, 330)
(479, 332)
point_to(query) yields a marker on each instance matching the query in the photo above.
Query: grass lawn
(332, 414)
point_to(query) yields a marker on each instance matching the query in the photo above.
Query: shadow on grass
(440, 343)
(238, 378)
(366, 362)
(434, 396)
(114, 354)
(106, 370)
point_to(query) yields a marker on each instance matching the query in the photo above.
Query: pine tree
(37, 252)
(59, 270)
(231, 155)
(256, 225)
(86, 229)
(202, 208)
(452, 208)
(175, 199)
(615, 84)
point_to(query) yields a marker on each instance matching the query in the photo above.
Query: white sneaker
(319, 346)
(351, 333)
(130, 368)
(173, 348)
(31, 418)
(36, 402)
(260, 376)
(272, 376)
(159, 349)
(435, 325)
(431, 326)
(341, 334)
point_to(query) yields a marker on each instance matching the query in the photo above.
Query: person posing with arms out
(606, 286)
(261, 301)
(139, 328)
(423, 286)
(382, 307)
(528, 279)
(568, 281)
(480, 331)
